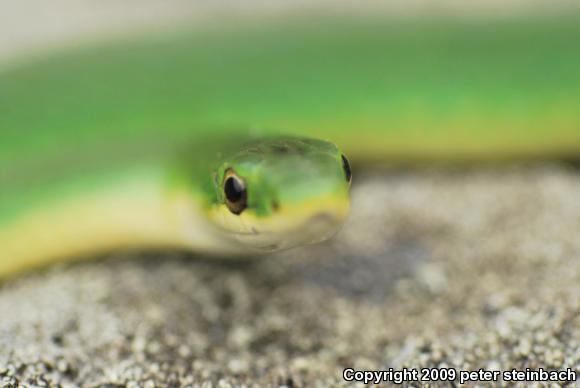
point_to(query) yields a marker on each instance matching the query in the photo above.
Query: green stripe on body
(381, 90)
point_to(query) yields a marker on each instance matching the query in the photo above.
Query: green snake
(232, 140)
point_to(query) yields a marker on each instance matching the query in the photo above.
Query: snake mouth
(317, 219)
(316, 228)
(293, 224)
(322, 218)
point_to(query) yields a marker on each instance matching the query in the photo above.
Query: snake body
(136, 143)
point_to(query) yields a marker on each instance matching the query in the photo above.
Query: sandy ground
(476, 268)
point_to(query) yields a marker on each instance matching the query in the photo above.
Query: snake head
(279, 193)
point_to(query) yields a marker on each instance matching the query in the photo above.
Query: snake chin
(317, 228)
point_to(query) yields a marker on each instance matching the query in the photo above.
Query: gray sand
(476, 268)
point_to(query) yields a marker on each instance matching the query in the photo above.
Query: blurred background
(416, 80)
(32, 25)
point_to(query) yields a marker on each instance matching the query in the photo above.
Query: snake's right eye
(235, 194)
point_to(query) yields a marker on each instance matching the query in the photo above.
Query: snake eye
(235, 192)
(346, 168)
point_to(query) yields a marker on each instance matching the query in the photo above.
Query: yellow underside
(305, 222)
(138, 214)
(143, 213)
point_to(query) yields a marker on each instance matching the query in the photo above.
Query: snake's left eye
(235, 193)
(346, 168)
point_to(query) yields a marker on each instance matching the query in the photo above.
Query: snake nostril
(275, 205)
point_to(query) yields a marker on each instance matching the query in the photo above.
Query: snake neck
(139, 213)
